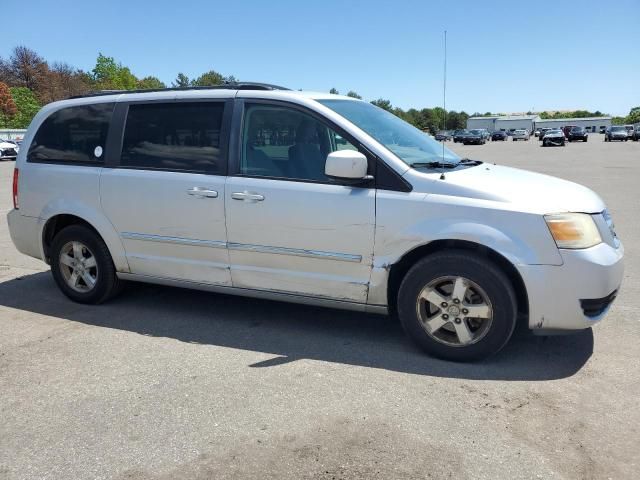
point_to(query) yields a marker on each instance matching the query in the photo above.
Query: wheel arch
(400, 268)
(101, 227)
(55, 224)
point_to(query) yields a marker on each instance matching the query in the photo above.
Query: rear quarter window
(178, 136)
(73, 135)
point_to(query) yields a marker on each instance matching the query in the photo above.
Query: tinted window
(286, 143)
(74, 134)
(174, 136)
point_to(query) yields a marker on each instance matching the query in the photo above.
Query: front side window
(178, 136)
(282, 142)
(404, 140)
(73, 134)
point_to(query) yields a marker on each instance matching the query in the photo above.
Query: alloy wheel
(78, 266)
(454, 311)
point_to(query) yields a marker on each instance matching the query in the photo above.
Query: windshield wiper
(440, 164)
(433, 165)
(468, 161)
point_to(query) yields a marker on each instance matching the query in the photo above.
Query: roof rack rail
(224, 86)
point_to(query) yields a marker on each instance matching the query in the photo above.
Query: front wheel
(457, 306)
(82, 266)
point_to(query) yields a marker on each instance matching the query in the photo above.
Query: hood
(520, 189)
(7, 145)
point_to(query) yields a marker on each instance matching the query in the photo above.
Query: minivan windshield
(404, 140)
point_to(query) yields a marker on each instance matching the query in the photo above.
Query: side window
(178, 136)
(73, 134)
(283, 142)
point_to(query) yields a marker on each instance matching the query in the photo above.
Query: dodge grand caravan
(255, 190)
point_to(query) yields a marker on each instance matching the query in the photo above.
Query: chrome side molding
(175, 240)
(299, 252)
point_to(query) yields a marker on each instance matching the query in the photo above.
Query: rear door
(165, 193)
(290, 228)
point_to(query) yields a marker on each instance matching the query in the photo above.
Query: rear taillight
(16, 172)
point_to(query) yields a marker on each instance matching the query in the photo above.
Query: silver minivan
(256, 190)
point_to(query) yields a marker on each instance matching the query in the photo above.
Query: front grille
(593, 307)
(8, 152)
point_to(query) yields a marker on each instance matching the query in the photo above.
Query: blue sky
(502, 56)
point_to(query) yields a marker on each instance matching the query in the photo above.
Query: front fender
(402, 226)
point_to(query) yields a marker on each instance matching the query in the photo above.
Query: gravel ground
(167, 383)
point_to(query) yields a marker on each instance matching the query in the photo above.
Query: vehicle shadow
(291, 332)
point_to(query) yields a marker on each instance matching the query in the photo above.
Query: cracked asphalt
(165, 383)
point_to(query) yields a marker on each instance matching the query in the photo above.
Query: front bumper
(576, 294)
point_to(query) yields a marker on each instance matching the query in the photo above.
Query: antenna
(444, 101)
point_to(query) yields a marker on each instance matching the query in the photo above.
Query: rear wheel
(82, 266)
(457, 306)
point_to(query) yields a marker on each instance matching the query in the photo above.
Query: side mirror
(347, 165)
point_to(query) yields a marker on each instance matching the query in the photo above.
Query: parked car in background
(521, 134)
(578, 133)
(474, 137)
(554, 137)
(567, 129)
(443, 135)
(486, 134)
(603, 129)
(629, 130)
(499, 136)
(459, 135)
(8, 150)
(636, 133)
(543, 131)
(460, 261)
(536, 132)
(616, 132)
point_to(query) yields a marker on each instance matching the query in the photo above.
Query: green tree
(8, 107)
(634, 115)
(109, 75)
(208, 79)
(150, 82)
(27, 106)
(384, 104)
(353, 94)
(334, 91)
(181, 81)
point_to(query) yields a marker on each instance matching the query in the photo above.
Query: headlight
(573, 230)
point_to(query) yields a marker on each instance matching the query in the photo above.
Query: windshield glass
(407, 142)
(617, 129)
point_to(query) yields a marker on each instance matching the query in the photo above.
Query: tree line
(28, 81)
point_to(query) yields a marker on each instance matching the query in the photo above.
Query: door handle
(247, 196)
(202, 192)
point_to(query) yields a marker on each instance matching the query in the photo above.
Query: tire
(585, 139)
(483, 280)
(92, 246)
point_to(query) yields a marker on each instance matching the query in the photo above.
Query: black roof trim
(225, 86)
